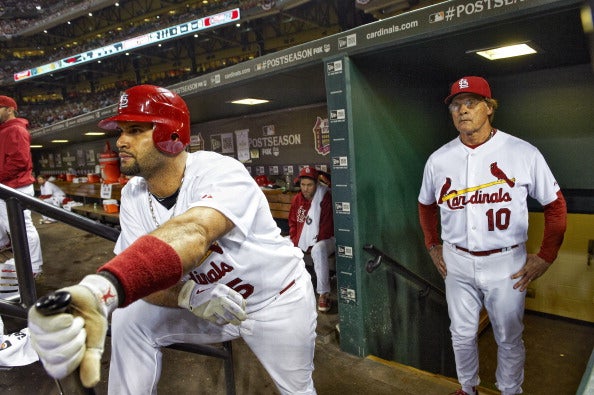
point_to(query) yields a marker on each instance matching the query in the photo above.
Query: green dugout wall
(379, 143)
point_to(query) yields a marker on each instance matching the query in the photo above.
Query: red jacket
(16, 165)
(326, 229)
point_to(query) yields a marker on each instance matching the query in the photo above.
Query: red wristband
(146, 266)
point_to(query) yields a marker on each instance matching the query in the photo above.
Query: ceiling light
(94, 133)
(59, 141)
(36, 146)
(250, 101)
(508, 51)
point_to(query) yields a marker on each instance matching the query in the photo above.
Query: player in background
(311, 228)
(16, 172)
(199, 260)
(49, 193)
(16, 169)
(479, 181)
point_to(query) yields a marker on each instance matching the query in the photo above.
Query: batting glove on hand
(219, 303)
(66, 341)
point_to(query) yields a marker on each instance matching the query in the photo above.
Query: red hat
(309, 171)
(476, 85)
(6, 101)
(262, 180)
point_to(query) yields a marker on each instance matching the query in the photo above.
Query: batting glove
(216, 303)
(66, 341)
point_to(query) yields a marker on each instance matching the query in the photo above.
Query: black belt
(486, 253)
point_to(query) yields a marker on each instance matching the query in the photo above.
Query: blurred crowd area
(16, 15)
(10, 27)
(42, 112)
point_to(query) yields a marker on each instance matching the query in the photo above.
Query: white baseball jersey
(253, 258)
(49, 188)
(482, 192)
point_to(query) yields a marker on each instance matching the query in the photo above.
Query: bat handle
(53, 303)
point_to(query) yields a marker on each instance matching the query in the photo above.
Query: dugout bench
(90, 194)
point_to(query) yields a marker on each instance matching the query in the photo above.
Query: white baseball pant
(319, 255)
(281, 335)
(474, 281)
(32, 235)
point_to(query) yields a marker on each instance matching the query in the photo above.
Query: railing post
(20, 248)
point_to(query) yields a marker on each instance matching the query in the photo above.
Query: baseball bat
(56, 303)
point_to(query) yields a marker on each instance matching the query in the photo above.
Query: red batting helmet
(165, 109)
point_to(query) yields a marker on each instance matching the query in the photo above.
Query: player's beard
(131, 170)
(145, 167)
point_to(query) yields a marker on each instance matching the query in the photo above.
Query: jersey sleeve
(230, 180)
(427, 192)
(130, 219)
(555, 216)
(544, 186)
(429, 221)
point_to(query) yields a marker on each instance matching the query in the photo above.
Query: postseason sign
(167, 33)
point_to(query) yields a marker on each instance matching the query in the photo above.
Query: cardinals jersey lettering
(253, 258)
(483, 202)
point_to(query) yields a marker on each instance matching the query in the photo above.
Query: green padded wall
(389, 129)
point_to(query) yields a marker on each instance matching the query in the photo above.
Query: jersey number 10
(498, 219)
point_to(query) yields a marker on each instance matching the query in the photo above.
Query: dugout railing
(16, 203)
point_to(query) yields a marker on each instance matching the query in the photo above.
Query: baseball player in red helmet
(199, 260)
(479, 181)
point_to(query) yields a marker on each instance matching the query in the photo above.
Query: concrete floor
(557, 349)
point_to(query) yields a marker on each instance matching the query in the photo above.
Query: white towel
(16, 349)
(311, 227)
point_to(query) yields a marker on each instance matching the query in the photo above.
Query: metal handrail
(16, 203)
(380, 256)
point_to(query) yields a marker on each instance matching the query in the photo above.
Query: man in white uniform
(480, 181)
(49, 193)
(197, 233)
